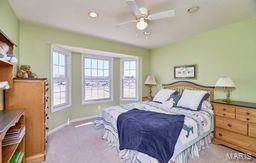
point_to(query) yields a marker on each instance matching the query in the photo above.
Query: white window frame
(121, 78)
(92, 56)
(67, 53)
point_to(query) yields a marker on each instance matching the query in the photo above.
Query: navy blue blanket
(149, 132)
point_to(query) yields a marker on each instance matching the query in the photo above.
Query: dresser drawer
(244, 114)
(224, 110)
(236, 139)
(231, 124)
(252, 130)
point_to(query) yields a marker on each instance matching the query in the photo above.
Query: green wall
(230, 50)
(9, 24)
(35, 43)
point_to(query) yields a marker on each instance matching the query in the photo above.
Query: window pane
(61, 60)
(100, 64)
(97, 89)
(106, 73)
(132, 65)
(55, 58)
(63, 98)
(87, 72)
(55, 71)
(60, 78)
(126, 65)
(132, 73)
(97, 82)
(126, 73)
(129, 82)
(87, 63)
(61, 71)
(94, 73)
(63, 86)
(56, 99)
(56, 87)
(100, 73)
(106, 64)
(94, 63)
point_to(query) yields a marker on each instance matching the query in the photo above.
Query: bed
(195, 135)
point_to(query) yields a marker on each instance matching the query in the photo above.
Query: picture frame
(185, 72)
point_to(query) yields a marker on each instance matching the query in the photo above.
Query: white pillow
(192, 99)
(163, 95)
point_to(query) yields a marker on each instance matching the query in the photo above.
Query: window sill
(53, 110)
(129, 99)
(96, 102)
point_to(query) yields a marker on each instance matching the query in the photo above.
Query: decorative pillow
(163, 95)
(175, 98)
(192, 99)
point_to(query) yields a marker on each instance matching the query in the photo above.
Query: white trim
(57, 129)
(71, 121)
(137, 79)
(83, 118)
(94, 51)
(111, 79)
(69, 70)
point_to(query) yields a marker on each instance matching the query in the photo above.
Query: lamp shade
(225, 82)
(150, 80)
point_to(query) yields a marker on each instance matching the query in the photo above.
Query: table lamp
(227, 84)
(150, 82)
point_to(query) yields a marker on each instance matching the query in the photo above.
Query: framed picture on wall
(185, 72)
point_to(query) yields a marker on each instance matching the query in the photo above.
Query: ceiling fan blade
(162, 15)
(127, 22)
(134, 7)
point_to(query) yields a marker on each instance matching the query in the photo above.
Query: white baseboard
(71, 121)
(57, 128)
(83, 119)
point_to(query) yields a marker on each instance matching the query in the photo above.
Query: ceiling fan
(142, 15)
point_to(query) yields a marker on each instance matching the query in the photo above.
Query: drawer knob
(248, 113)
(247, 119)
(229, 125)
(224, 114)
(224, 109)
(220, 134)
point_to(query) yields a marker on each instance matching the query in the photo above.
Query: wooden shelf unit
(6, 68)
(9, 119)
(30, 94)
(6, 72)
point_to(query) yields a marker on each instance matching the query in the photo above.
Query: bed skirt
(131, 156)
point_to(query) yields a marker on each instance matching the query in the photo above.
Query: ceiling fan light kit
(142, 15)
(141, 25)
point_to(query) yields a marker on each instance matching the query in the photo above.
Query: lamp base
(226, 100)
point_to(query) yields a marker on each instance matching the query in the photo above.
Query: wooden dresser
(31, 96)
(235, 125)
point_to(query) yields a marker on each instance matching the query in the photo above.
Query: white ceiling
(72, 15)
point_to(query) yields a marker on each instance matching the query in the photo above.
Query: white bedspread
(197, 125)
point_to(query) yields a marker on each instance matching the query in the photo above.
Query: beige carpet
(84, 145)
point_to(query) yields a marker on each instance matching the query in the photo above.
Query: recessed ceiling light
(193, 9)
(93, 14)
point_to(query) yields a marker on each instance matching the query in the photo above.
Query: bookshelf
(9, 119)
(6, 68)
(6, 72)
